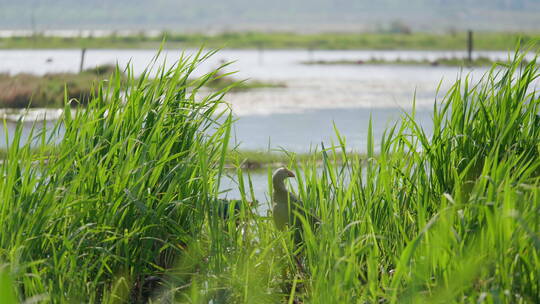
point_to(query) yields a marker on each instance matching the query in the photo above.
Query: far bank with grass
(283, 40)
(129, 209)
(49, 90)
(443, 61)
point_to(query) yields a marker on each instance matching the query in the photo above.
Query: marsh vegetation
(281, 40)
(444, 61)
(126, 208)
(50, 90)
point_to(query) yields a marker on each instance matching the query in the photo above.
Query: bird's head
(281, 174)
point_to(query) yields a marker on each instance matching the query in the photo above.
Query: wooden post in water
(469, 46)
(83, 52)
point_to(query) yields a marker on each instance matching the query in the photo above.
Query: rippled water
(300, 115)
(308, 86)
(315, 96)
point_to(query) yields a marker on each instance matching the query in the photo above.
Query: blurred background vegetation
(300, 15)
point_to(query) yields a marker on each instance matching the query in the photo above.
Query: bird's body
(288, 211)
(287, 206)
(285, 203)
(284, 212)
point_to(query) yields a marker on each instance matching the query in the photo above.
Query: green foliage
(131, 196)
(444, 61)
(286, 40)
(6, 288)
(33, 91)
(450, 217)
(122, 194)
(26, 90)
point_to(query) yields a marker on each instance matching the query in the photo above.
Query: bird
(286, 211)
(287, 206)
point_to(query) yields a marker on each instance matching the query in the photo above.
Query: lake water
(309, 87)
(300, 115)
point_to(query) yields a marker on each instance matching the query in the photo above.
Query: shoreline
(483, 41)
(442, 61)
(250, 160)
(24, 91)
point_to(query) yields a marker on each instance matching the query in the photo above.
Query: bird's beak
(291, 174)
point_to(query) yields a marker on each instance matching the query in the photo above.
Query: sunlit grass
(450, 217)
(126, 207)
(123, 193)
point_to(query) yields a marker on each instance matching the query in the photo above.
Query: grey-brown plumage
(287, 211)
(286, 205)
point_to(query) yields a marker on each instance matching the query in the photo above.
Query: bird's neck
(279, 185)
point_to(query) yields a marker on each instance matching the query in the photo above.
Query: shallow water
(299, 116)
(259, 179)
(289, 131)
(308, 87)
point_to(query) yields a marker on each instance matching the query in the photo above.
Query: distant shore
(503, 41)
(443, 61)
(245, 159)
(21, 91)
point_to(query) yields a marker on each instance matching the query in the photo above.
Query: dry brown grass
(49, 90)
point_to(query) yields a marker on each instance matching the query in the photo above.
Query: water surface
(299, 116)
(308, 87)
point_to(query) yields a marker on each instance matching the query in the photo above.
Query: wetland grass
(443, 61)
(122, 195)
(500, 41)
(452, 217)
(22, 91)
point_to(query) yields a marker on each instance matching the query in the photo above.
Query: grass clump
(236, 85)
(450, 217)
(122, 195)
(129, 202)
(49, 90)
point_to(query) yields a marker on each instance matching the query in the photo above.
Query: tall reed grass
(124, 192)
(447, 217)
(131, 199)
